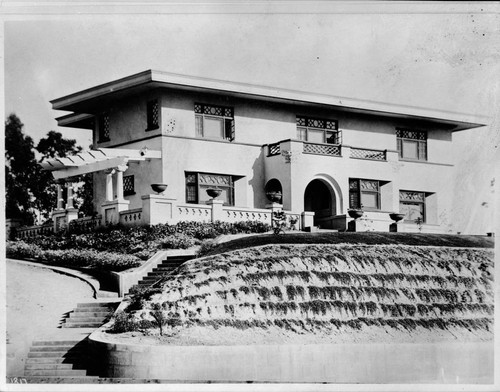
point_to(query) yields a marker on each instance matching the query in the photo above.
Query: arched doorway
(319, 198)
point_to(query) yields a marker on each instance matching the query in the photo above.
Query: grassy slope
(317, 293)
(371, 238)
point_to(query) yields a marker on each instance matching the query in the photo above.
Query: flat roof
(92, 99)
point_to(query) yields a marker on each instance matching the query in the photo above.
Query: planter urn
(396, 216)
(274, 197)
(159, 188)
(355, 214)
(214, 192)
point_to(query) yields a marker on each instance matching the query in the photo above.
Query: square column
(217, 212)
(157, 209)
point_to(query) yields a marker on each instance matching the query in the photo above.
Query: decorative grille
(316, 123)
(214, 179)
(410, 134)
(213, 110)
(322, 149)
(361, 153)
(274, 149)
(104, 127)
(128, 185)
(411, 196)
(153, 114)
(367, 185)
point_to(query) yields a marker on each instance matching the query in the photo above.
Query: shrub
(123, 322)
(178, 241)
(22, 250)
(206, 247)
(93, 259)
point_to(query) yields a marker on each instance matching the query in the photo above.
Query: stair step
(70, 343)
(88, 314)
(79, 319)
(97, 305)
(55, 360)
(61, 372)
(51, 354)
(82, 325)
(48, 366)
(61, 380)
(34, 349)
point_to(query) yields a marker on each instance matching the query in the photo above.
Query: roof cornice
(247, 90)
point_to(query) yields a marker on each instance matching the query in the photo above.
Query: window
(153, 115)
(412, 204)
(412, 144)
(128, 186)
(103, 128)
(318, 131)
(214, 122)
(364, 194)
(198, 183)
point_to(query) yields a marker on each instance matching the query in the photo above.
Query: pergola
(110, 160)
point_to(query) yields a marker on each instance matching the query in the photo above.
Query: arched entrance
(319, 198)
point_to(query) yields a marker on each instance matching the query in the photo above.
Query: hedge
(72, 258)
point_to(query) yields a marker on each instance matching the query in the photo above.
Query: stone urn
(396, 216)
(355, 213)
(274, 196)
(214, 192)
(159, 188)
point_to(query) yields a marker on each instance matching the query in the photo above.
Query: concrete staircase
(57, 359)
(90, 315)
(166, 267)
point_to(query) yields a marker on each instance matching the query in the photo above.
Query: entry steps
(165, 268)
(90, 315)
(57, 358)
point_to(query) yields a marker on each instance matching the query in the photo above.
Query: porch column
(109, 184)
(69, 201)
(59, 196)
(119, 181)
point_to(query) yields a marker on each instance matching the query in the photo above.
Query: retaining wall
(435, 363)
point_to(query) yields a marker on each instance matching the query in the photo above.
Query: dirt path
(37, 300)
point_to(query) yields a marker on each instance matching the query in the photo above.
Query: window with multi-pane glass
(128, 185)
(316, 130)
(364, 194)
(412, 204)
(198, 183)
(412, 144)
(214, 122)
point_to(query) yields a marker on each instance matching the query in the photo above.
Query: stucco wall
(336, 363)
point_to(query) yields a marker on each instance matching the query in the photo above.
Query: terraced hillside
(329, 293)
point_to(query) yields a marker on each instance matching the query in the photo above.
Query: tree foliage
(30, 189)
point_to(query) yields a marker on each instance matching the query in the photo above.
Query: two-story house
(324, 154)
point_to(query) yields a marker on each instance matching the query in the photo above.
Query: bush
(124, 322)
(206, 246)
(178, 241)
(22, 250)
(74, 258)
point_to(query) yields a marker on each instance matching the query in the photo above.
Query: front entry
(321, 200)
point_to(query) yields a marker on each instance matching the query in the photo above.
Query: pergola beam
(89, 167)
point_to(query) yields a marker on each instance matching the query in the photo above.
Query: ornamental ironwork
(274, 149)
(316, 123)
(153, 111)
(411, 134)
(361, 153)
(321, 149)
(213, 110)
(213, 179)
(412, 196)
(128, 185)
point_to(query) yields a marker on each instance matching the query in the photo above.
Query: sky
(432, 59)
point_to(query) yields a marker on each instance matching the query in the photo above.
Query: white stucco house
(325, 155)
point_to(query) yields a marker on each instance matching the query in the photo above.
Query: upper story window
(103, 128)
(153, 115)
(412, 204)
(214, 122)
(318, 131)
(198, 183)
(364, 194)
(412, 144)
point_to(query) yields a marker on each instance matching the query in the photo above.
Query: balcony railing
(321, 149)
(364, 153)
